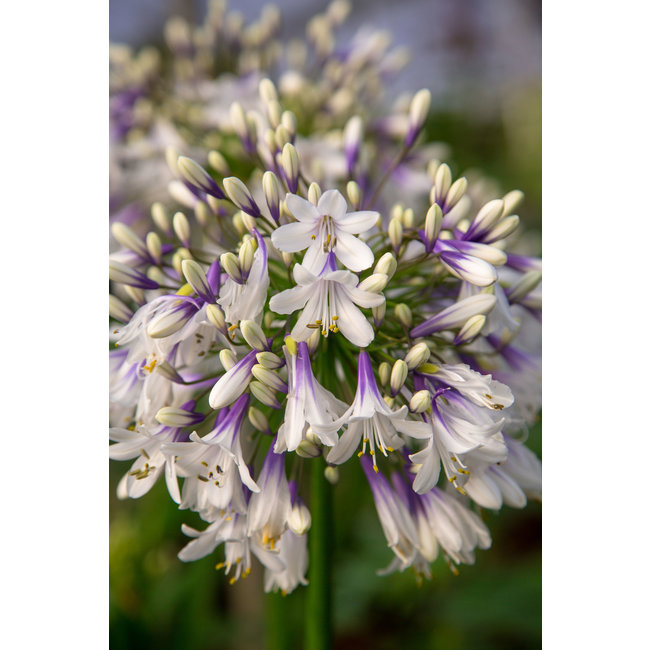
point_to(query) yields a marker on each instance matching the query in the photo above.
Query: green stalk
(318, 620)
(277, 628)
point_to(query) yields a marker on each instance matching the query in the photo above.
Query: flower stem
(277, 629)
(318, 620)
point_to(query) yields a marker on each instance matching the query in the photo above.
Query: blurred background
(482, 62)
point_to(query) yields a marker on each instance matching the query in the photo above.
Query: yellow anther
(232, 328)
(145, 454)
(232, 581)
(372, 452)
(238, 560)
(376, 469)
(389, 449)
(365, 441)
(204, 463)
(336, 329)
(323, 332)
(185, 290)
(335, 317)
(220, 566)
(488, 396)
(313, 237)
(202, 478)
(313, 326)
(497, 407)
(360, 454)
(318, 322)
(228, 519)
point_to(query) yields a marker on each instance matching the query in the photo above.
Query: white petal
(333, 204)
(352, 252)
(315, 257)
(353, 323)
(364, 298)
(302, 209)
(303, 275)
(346, 445)
(288, 301)
(294, 237)
(357, 222)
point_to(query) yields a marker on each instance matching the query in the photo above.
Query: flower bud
(355, 195)
(269, 360)
(418, 354)
(156, 274)
(332, 474)
(352, 137)
(378, 314)
(182, 228)
(259, 420)
(307, 449)
(470, 330)
(227, 359)
(408, 218)
(218, 162)
(403, 313)
(398, 376)
(198, 177)
(216, 317)
(418, 111)
(442, 183)
(299, 520)
(154, 247)
(169, 372)
(387, 264)
(455, 193)
(118, 310)
(313, 341)
(177, 417)
(247, 255)
(273, 112)
(269, 378)
(264, 394)
(290, 163)
(511, 201)
(524, 286)
(253, 335)
(268, 92)
(125, 236)
(118, 272)
(240, 196)
(171, 158)
(287, 258)
(432, 226)
(271, 189)
(314, 193)
(374, 283)
(160, 217)
(486, 219)
(282, 136)
(290, 123)
(195, 276)
(136, 294)
(420, 402)
(504, 228)
(395, 233)
(384, 373)
(230, 264)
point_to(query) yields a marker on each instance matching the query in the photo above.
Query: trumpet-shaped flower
(369, 418)
(330, 302)
(325, 228)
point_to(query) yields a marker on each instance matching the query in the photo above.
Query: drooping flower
(308, 404)
(330, 302)
(370, 419)
(325, 228)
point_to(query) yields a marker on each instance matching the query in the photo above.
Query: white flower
(370, 418)
(329, 300)
(324, 228)
(292, 552)
(246, 301)
(308, 403)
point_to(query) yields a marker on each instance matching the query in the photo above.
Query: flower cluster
(304, 308)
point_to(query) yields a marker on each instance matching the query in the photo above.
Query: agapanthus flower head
(255, 347)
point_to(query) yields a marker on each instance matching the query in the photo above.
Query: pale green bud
(218, 163)
(288, 121)
(511, 201)
(227, 359)
(442, 182)
(398, 376)
(403, 313)
(455, 193)
(408, 218)
(175, 417)
(154, 246)
(418, 354)
(247, 255)
(160, 217)
(127, 237)
(169, 372)
(181, 228)
(258, 420)
(387, 264)
(384, 373)
(299, 519)
(332, 474)
(314, 193)
(354, 194)
(420, 402)
(395, 233)
(470, 330)
(268, 92)
(118, 310)
(374, 283)
(216, 317)
(230, 264)
(378, 314)
(253, 335)
(524, 286)
(264, 394)
(268, 360)
(271, 189)
(268, 377)
(433, 223)
(307, 449)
